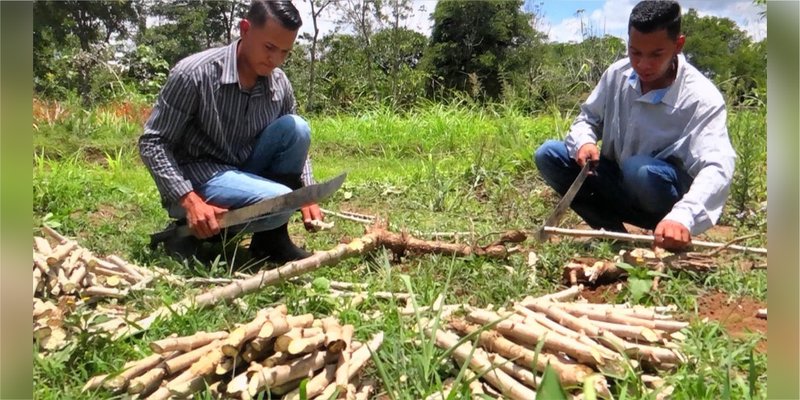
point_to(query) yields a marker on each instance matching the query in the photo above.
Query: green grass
(437, 168)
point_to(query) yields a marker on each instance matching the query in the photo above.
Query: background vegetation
(486, 51)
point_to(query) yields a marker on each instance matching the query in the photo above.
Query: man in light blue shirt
(666, 161)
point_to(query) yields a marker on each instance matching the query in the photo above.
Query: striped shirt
(685, 123)
(203, 123)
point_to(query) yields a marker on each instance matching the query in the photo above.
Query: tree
(397, 54)
(341, 71)
(317, 6)
(190, 26)
(364, 16)
(89, 21)
(711, 42)
(399, 11)
(71, 43)
(471, 42)
(724, 53)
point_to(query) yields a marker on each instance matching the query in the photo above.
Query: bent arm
(176, 105)
(588, 125)
(712, 156)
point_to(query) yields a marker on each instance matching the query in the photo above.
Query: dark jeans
(640, 192)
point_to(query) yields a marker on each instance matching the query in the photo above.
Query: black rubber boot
(275, 245)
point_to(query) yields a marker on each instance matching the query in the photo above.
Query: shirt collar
(229, 72)
(668, 95)
(671, 97)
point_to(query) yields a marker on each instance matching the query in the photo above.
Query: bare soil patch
(737, 316)
(602, 293)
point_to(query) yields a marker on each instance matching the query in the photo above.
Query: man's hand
(671, 235)
(201, 217)
(587, 152)
(311, 213)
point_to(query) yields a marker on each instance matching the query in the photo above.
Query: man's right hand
(201, 217)
(587, 152)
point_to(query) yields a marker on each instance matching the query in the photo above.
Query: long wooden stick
(646, 238)
(364, 219)
(261, 279)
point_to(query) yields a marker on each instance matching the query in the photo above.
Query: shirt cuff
(174, 193)
(307, 176)
(574, 146)
(696, 225)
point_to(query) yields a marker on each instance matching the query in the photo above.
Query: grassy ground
(441, 168)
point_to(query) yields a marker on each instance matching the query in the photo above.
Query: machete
(288, 202)
(555, 218)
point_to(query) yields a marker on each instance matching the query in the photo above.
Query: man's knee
(644, 179)
(548, 152)
(295, 125)
(638, 171)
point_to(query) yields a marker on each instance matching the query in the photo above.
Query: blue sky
(611, 16)
(561, 24)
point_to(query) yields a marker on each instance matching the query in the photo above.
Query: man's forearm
(163, 167)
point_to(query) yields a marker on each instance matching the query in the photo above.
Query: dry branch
(402, 243)
(147, 382)
(184, 360)
(351, 216)
(280, 374)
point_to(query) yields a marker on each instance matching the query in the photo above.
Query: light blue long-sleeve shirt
(685, 122)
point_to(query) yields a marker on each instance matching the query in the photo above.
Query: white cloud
(612, 18)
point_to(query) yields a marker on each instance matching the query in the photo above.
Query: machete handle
(170, 232)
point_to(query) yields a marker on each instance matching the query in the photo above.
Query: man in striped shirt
(224, 134)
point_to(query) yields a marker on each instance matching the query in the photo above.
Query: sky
(560, 21)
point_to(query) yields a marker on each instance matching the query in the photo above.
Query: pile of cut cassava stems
(67, 276)
(580, 341)
(272, 353)
(62, 266)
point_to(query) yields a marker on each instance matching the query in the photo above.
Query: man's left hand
(671, 235)
(311, 213)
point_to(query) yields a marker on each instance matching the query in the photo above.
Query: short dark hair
(283, 11)
(653, 15)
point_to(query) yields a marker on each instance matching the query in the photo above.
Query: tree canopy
(486, 51)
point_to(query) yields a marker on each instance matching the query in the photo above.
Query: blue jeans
(641, 191)
(281, 149)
